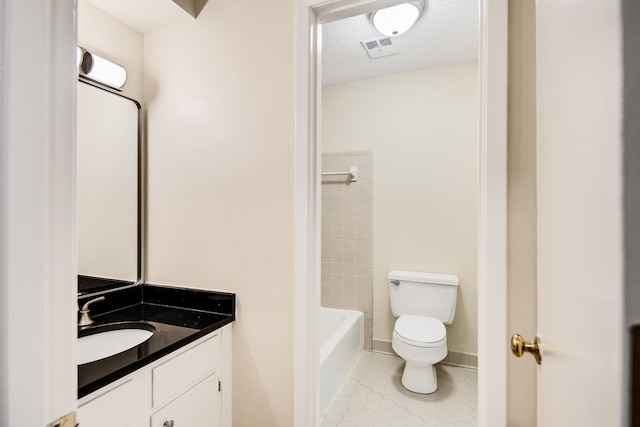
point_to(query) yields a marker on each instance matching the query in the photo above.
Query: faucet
(85, 319)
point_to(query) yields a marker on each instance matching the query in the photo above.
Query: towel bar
(352, 172)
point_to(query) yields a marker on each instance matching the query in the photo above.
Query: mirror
(108, 188)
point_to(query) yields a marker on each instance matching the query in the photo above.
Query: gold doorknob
(519, 347)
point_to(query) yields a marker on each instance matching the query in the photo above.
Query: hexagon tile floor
(374, 396)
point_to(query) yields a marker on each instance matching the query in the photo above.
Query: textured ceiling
(447, 33)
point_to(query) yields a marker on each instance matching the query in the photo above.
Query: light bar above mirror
(101, 70)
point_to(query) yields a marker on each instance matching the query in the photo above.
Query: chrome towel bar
(352, 172)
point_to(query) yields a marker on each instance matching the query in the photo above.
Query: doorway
(492, 202)
(407, 123)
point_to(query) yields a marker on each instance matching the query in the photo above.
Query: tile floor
(374, 396)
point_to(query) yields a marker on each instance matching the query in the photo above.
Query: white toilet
(423, 303)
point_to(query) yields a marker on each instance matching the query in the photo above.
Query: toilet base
(420, 378)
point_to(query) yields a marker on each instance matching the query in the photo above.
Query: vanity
(179, 376)
(148, 355)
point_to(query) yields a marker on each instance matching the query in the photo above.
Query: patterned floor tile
(374, 396)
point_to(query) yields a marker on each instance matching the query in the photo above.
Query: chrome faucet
(85, 319)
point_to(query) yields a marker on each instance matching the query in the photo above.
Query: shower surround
(347, 236)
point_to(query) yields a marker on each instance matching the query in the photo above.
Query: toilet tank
(424, 294)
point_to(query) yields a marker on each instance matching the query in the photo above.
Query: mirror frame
(94, 286)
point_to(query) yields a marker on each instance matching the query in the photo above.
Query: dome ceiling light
(395, 20)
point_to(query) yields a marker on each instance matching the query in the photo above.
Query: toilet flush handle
(395, 282)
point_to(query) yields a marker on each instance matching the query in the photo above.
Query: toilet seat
(420, 331)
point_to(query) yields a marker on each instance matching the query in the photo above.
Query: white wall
(220, 174)
(422, 127)
(220, 97)
(103, 34)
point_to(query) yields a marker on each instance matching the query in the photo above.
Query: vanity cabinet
(190, 387)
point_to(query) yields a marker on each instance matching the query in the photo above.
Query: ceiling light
(395, 20)
(102, 70)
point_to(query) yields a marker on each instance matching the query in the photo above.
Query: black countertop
(178, 315)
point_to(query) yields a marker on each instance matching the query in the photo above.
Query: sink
(108, 340)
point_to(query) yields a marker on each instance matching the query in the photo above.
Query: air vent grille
(377, 48)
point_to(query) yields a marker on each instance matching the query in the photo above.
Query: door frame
(492, 203)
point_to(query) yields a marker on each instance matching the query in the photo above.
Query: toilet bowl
(423, 304)
(422, 342)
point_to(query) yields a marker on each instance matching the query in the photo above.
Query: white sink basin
(104, 344)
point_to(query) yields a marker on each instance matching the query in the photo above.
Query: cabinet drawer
(177, 375)
(199, 407)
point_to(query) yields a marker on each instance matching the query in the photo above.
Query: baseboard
(455, 358)
(382, 346)
(466, 360)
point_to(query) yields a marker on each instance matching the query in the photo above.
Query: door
(37, 238)
(579, 82)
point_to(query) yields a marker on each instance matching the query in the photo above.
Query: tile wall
(347, 236)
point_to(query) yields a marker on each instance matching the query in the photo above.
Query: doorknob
(519, 347)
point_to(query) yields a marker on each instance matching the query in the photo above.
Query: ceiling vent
(377, 48)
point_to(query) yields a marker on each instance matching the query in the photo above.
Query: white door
(580, 305)
(37, 230)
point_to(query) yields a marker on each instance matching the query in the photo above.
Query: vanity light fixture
(79, 53)
(395, 20)
(101, 70)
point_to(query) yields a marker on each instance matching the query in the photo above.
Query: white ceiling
(447, 33)
(144, 15)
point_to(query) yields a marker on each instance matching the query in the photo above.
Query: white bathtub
(341, 340)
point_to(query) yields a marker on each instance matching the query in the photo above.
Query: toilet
(423, 304)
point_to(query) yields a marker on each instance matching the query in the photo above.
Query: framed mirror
(108, 189)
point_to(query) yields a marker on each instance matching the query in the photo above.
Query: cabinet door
(179, 374)
(120, 407)
(198, 407)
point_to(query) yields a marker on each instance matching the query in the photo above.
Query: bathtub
(341, 340)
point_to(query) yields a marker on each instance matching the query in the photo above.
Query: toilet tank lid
(416, 276)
